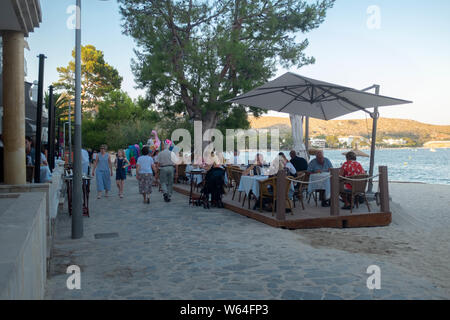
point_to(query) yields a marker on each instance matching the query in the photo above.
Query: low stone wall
(23, 244)
(52, 194)
(52, 191)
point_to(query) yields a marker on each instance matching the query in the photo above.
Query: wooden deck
(311, 217)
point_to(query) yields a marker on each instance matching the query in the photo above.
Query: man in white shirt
(167, 169)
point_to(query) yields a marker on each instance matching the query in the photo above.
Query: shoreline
(417, 239)
(386, 148)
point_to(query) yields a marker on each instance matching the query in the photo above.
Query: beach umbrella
(295, 94)
(358, 153)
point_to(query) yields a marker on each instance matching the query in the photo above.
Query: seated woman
(215, 181)
(256, 167)
(287, 165)
(349, 168)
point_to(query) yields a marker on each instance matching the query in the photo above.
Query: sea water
(408, 165)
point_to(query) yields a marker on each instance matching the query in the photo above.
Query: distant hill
(387, 127)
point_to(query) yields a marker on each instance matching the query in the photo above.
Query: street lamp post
(77, 196)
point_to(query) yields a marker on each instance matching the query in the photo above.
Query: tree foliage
(120, 121)
(194, 55)
(98, 78)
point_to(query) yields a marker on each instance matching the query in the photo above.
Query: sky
(401, 45)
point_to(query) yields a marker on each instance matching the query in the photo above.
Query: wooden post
(334, 201)
(384, 189)
(281, 195)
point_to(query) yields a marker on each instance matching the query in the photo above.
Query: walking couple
(162, 166)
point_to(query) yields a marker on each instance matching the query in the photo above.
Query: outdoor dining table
(250, 184)
(86, 191)
(319, 181)
(196, 175)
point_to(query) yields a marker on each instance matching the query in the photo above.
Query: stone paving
(173, 251)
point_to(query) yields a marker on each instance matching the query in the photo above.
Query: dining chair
(288, 186)
(358, 189)
(228, 169)
(268, 189)
(300, 188)
(182, 173)
(236, 175)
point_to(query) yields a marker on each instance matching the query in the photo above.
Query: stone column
(14, 108)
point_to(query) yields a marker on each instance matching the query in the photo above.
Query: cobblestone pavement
(173, 251)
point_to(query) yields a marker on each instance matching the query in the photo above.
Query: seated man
(299, 163)
(256, 167)
(318, 165)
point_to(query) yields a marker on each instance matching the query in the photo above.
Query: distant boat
(432, 150)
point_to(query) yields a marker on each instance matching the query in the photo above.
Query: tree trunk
(209, 121)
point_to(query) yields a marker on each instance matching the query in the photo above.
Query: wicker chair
(271, 193)
(266, 192)
(182, 173)
(302, 176)
(229, 177)
(236, 175)
(358, 189)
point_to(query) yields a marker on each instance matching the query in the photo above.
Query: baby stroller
(198, 200)
(214, 187)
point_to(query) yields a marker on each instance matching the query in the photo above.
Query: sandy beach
(417, 240)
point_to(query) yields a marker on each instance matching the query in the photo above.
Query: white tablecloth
(316, 184)
(250, 183)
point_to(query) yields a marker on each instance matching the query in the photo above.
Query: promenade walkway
(173, 251)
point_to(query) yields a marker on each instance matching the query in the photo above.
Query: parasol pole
(307, 134)
(375, 115)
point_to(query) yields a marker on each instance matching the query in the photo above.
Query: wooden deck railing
(334, 200)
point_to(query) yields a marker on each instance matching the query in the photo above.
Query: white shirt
(291, 168)
(145, 164)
